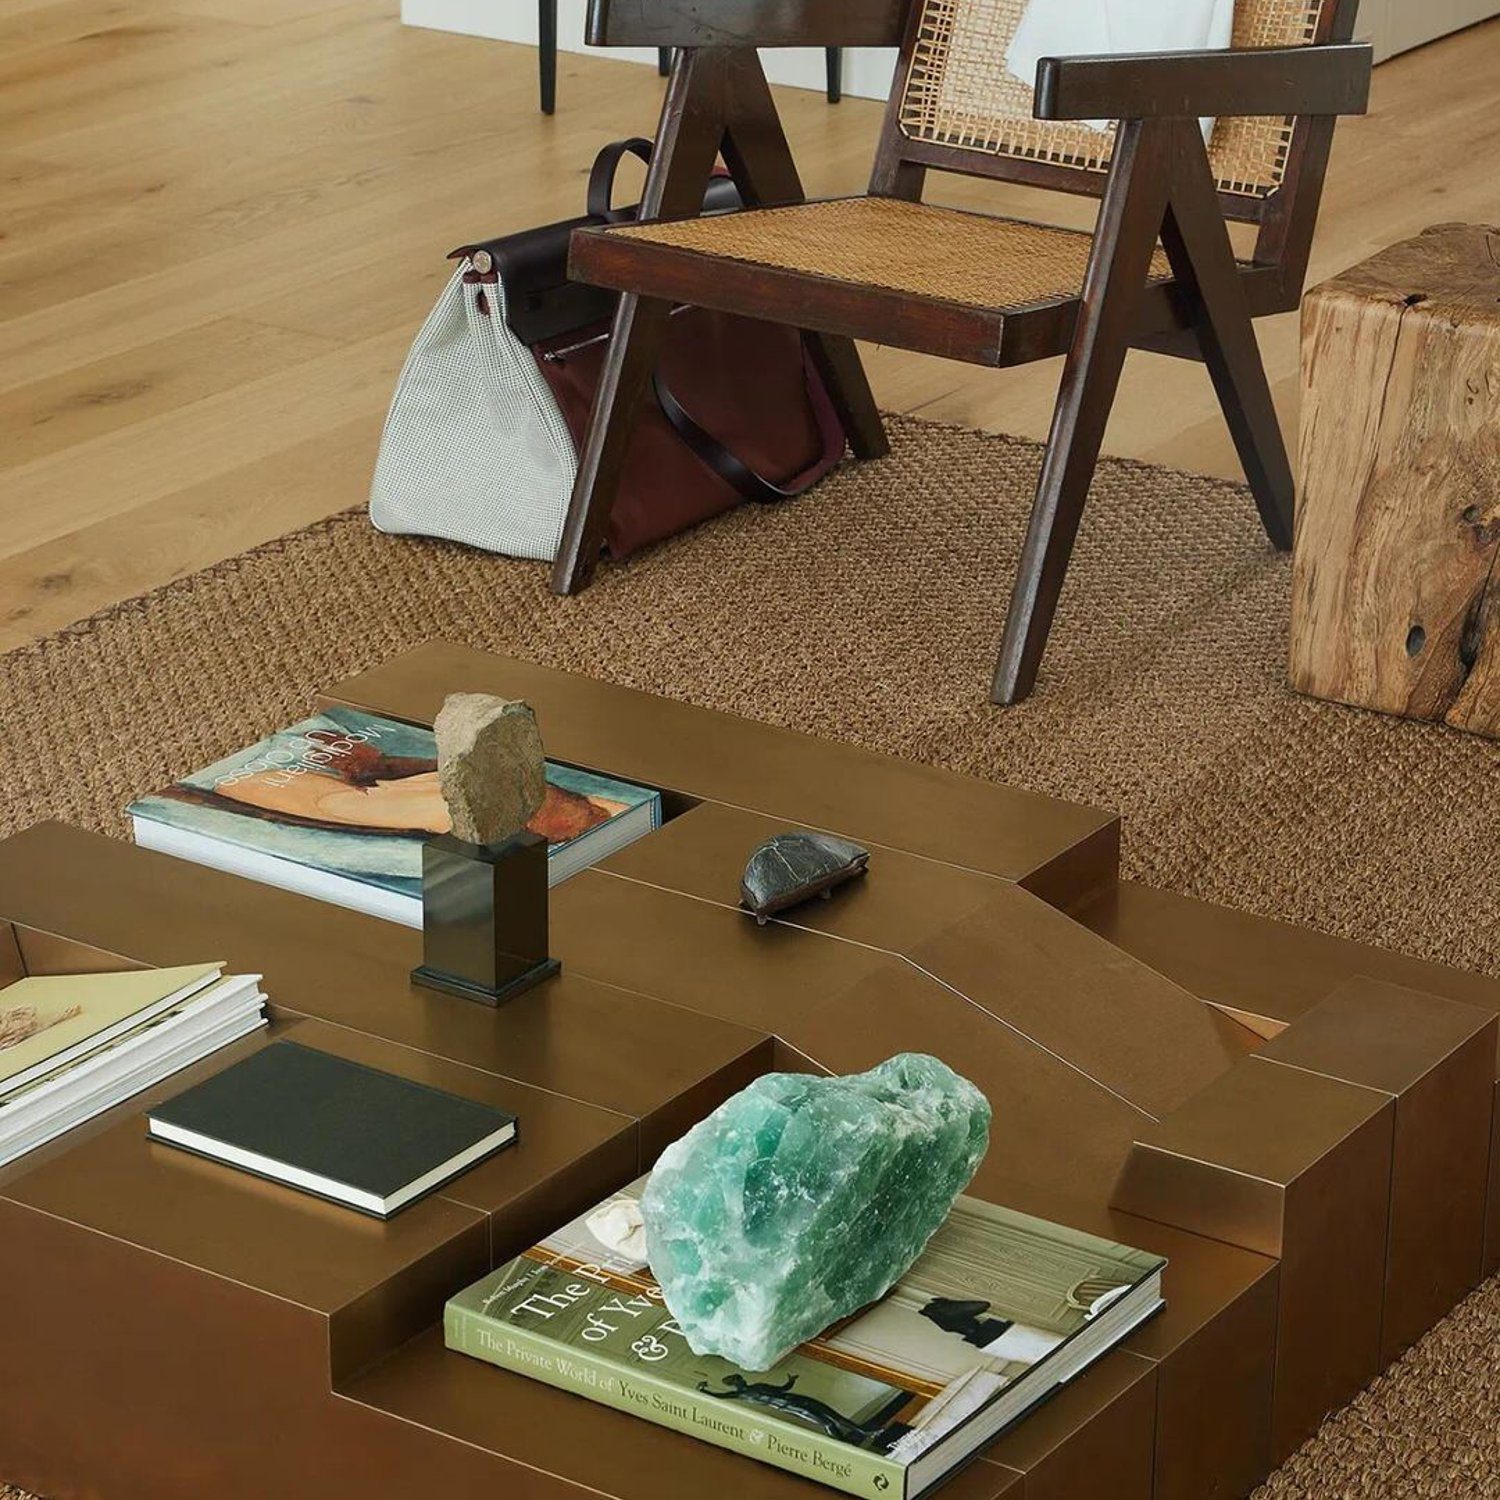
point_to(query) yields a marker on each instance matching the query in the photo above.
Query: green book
(999, 1310)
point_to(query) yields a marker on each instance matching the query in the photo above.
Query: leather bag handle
(602, 177)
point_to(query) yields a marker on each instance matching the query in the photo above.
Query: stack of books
(339, 806)
(74, 1045)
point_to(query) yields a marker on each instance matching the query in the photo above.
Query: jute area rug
(870, 612)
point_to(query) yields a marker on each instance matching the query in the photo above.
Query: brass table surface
(1211, 1086)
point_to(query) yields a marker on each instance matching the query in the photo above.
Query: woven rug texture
(870, 612)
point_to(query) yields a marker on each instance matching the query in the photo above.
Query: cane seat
(944, 280)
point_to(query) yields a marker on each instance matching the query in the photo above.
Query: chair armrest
(746, 23)
(1327, 79)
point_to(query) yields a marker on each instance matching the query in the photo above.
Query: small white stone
(621, 1228)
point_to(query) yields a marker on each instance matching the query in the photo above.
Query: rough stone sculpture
(790, 868)
(803, 1199)
(491, 766)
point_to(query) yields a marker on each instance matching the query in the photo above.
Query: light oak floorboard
(221, 222)
(109, 395)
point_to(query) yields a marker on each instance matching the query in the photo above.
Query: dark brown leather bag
(739, 413)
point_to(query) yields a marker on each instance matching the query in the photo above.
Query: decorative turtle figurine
(790, 868)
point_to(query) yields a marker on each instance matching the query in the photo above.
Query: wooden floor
(221, 222)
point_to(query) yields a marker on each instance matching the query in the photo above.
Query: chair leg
(1197, 243)
(1083, 406)
(664, 61)
(837, 362)
(757, 154)
(1129, 220)
(835, 60)
(687, 141)
(1239, 377)
(547, 53)
(635, 341)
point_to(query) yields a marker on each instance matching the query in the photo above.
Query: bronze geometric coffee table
(1304, 1125)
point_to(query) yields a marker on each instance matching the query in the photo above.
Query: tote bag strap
(738, 475)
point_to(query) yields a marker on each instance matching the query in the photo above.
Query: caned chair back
(958, 98)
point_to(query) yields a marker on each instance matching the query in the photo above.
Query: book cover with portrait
(339, 806)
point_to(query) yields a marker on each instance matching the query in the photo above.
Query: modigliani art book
(339, 806)
(997, 1312)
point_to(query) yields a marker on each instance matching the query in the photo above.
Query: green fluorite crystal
(802, 1199)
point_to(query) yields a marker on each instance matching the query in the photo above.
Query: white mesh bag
(474, 447)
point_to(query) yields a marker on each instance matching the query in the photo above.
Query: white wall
(867, 70)
(1399, 25)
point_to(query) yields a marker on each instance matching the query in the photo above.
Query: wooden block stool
(1396, 590)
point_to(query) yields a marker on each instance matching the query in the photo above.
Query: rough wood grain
(1396, 592)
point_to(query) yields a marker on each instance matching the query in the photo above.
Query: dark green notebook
(333, 1128)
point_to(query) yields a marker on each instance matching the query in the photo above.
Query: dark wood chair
(1158, 272)
(547, 60)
